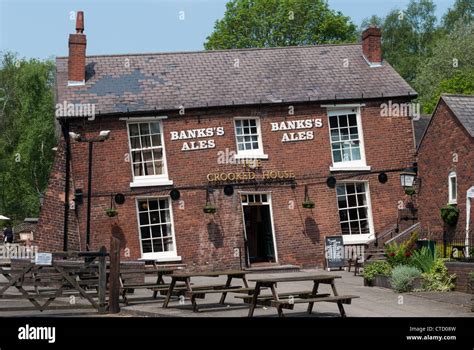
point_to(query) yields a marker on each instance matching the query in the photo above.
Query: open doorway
(258, 225)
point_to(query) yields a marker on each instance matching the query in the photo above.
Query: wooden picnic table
(158, 285)
(199, 291)
(287, 300)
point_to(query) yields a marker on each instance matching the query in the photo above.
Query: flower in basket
(407, 254)
(111, 212)
(209, 209)
(308, 204)
(450, 214)
(391, 254)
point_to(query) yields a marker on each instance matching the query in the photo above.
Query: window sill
(251, 156)
(162, 259)
(453, 202)
(151, 182)
(358, 239)
(350, 168)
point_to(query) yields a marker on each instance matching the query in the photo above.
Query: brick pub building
(304, 116)
(446, 162)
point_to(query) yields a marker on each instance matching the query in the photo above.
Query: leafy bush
(450, 214)
(438, 279)
(471, 275)
(423, 259)
(399, 254)
(403, 277)
(376, 268)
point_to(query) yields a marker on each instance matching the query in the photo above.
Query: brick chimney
(371, 45)
(77, 53)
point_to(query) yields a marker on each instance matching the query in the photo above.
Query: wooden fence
(69, 274)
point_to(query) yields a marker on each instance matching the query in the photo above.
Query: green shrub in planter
(209, 209)
(403, 278)
(376, 268)
(423, 259)
(308, 204)
(111, 212)
(438, 279)
(410, 191)
(450, 214)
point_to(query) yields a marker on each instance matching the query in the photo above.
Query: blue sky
(40, 28)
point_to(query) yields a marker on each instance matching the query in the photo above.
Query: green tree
(462, 10)
(450, 68)
(271, 23)
(27, 133)
(407, 35)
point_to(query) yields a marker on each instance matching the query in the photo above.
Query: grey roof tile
(210, 78)
(463, 107)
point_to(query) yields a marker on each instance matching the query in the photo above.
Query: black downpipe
(65, 130)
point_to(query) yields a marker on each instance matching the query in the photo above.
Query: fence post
(102, 279)
(114, 276)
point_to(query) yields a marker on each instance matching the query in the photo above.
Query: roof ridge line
(218, 51)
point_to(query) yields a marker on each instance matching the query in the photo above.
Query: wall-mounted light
(407, 177)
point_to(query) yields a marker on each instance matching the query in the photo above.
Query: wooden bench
(200, 293)
(265, 300)
(310, 300)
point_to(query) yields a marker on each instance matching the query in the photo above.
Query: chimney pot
(80, 22)
(77, 53)
(371, 45)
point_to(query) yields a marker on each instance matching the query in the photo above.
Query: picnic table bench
(198, 292)
(287, 300)
(158, 286)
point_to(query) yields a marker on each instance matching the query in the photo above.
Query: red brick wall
(462, 271)
(49, 234)
(207, 240)
(445, 136)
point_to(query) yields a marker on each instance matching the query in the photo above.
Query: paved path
(373, 302)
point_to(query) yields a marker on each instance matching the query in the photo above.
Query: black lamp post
(103, 135)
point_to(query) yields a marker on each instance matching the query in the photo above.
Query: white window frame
(359, 238)
(149, 180)
(354, 165)
(452, 199)
(158, 256)
(268, 202)
(250, 154)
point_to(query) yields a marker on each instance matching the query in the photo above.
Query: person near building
(8, 234)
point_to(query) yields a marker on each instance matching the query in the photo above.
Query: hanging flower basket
(307, 203)
(450, 214)
(410, 191)
(111, 212)
(209, 209)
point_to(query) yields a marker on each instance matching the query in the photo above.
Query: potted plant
(450, 214)
(307, 203)
(111, 212)
(208, 207)
(377, 274)
(410, 191)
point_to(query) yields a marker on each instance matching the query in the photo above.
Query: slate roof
(463, 107)
(166, 81)
(419, 126)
